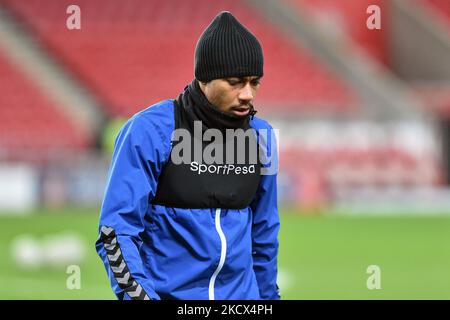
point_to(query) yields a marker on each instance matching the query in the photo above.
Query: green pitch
(321, 257)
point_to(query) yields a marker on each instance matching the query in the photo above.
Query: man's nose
(246, 94)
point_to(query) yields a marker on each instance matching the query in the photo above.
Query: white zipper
(223, 253)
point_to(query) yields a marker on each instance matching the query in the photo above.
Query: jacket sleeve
(266, 223)
(137, 160)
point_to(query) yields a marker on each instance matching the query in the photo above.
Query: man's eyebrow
(243, 79)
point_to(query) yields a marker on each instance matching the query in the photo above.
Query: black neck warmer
(199, 108)
(223, 185)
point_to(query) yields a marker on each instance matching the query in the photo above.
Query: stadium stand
(131, 54)
(135, 53)
(30, 122)
(347, 21)
(440, 8)
(436, 98)
(435, 94)
(316, 174)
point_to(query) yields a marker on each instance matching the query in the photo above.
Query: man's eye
(233, 83)
(256, 83)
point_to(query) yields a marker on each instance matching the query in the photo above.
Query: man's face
(232, 95)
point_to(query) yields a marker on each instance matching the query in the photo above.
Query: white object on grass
(26, 252)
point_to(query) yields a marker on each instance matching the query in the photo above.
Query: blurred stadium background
(363, 114)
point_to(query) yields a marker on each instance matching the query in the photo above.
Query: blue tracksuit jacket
(157, 252)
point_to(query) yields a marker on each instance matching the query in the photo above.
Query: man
(196, 229)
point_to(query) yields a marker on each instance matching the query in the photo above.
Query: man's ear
(202, 84)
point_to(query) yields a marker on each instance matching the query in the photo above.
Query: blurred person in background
(173, 231)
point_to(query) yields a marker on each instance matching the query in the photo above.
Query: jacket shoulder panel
(156, 122)
(258, 123)
(160, 115)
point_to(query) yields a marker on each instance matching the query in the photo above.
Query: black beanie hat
(227, 49)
